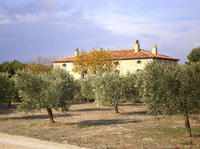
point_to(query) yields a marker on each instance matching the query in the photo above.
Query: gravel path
(21, 142)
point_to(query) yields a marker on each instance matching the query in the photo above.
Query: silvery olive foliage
(158, 86)
(109, 89)
(77, 90)
(169, 90)
(129, 89)
(44, 90)
(87, 88)
(7, 88)
(58, 90)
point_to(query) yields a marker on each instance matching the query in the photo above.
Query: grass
(92, 126)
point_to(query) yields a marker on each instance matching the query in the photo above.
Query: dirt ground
(21, 142)
(92, 126)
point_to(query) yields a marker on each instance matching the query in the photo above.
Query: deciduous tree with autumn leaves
(97, 60)
(40, 64)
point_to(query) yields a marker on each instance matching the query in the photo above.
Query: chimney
(137, 46)
(154, 49)
(76, 52)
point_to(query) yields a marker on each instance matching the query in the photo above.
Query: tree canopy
(194, 56)
(94, 61)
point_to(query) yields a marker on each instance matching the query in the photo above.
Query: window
(139, 61)
(116, 63)
(64, 65)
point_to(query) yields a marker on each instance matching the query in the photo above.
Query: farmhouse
(128, 60)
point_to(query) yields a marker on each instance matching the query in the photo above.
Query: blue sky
(55, 28)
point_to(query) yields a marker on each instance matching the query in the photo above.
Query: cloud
(57, 27)
(34, 8)
(55, 34)
(197, 44)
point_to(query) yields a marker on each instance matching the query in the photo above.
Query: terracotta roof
(125, 55)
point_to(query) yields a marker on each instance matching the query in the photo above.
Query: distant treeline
(11, 67)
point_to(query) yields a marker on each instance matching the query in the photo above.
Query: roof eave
(173, 59)
(62, 61)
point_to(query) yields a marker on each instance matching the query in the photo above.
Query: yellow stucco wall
(131, 66)
(68, 68)
(168, 62)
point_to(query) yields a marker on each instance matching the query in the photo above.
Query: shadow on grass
(136, 113)
(90, 123)
(93, 109)
(131, 104)
(35, 117)
(196, 135)
(5, 110)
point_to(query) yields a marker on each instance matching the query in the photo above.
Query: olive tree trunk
(9, 104)
(50, 115)
(116, 108)
(187, 126)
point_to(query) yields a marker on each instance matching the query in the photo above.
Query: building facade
(128, 60)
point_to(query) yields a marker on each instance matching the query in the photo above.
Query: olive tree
(11, 68)
(77, 91)
(44, 90)
(87, 88)
(129, 90)
(170, 90)
(189, 93)
(7, 89)
(110, 89)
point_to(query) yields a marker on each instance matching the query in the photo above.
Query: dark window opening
(139, 61)
(116, 63)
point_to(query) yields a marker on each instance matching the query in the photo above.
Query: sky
(55, 28)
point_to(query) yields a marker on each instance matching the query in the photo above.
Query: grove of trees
(164, 89)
